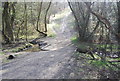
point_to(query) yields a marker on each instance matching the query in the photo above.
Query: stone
(72, 75)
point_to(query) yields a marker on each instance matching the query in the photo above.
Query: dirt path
(55, 63)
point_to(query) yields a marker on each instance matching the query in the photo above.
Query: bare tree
(82, 19)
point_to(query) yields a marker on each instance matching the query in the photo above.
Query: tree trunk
(39, 13)
(26, 21)
(38, 18)
(76, 20)
(82, 19)
(46, 17)
(6, 24)
(13, 14)
(118, 5)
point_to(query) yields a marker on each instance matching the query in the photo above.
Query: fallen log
(85, 51)
(11, 57)
(114, 61)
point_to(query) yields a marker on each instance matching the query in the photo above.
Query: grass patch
(35, 48)
(5, 61)
(81, 45)
(108, 46)
(99, 63)
(19, 48)
(74, 40)
(52, 35)
(15, 49)
(105, 64)
(84, 45)
(1, 53)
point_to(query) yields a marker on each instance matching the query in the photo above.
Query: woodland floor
(60, 61)
(54, 63)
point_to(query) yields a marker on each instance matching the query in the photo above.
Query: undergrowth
(100, 64)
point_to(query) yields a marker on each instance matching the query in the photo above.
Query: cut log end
(11, 57)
